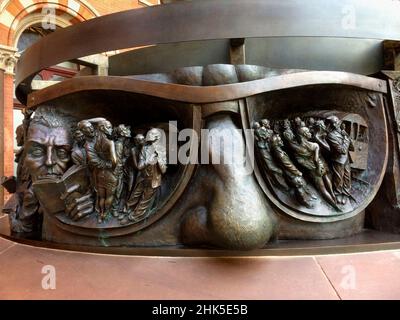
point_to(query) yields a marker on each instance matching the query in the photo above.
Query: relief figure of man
(152, 164)
(340, 144)
(103, 160)
(47, 155)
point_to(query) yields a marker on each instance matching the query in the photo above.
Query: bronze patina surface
(301, 153)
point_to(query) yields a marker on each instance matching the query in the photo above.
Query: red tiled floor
(4, 225)
(364, 276)
(91, 276)
(5, 244)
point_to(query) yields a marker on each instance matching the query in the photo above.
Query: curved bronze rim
(178, 251)
(208, 94)
(204, 20)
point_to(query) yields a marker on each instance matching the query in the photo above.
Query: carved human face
(286, 123)
(299, 182)
(277, 141)
(79, 136)
(140, 140)
(48, 151)
(305, 133)
(152, 135)
(124, 131)
(335, 122)
(265, 123)
(106, 127)
(86, 128)
(289, 135)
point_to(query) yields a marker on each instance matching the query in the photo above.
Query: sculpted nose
(49, 156)
(229, 208)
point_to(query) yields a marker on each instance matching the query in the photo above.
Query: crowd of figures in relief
(311, 151)
(125, 176)
(122, 175)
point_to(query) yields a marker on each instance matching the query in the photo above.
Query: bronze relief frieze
(97, 165)
(321, 154)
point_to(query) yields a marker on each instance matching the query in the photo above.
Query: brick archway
(13, 12)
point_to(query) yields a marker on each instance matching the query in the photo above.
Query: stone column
(8, 60)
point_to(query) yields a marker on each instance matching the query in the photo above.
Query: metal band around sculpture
(241, 19)
(207, 94)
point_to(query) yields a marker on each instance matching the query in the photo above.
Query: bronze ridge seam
(206, 94)
(178, 251)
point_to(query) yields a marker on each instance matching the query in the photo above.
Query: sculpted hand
(78, 205)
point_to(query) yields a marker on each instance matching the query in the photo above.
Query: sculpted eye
(62, 153)
(37, 152)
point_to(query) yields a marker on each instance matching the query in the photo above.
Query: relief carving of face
(86, 128)
(335, 122)
(123, 131)
(106, 127)
(265, 123)
(153, 135)
(140, 140)
(79, 136)
(305, 132)
(48, 147)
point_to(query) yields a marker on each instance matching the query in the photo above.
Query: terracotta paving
(5, 245)
(364, 276)
(95, 276)
(4, 225)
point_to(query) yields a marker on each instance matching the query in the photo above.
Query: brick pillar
(8, 59)
(2, 103)
(8, 125)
